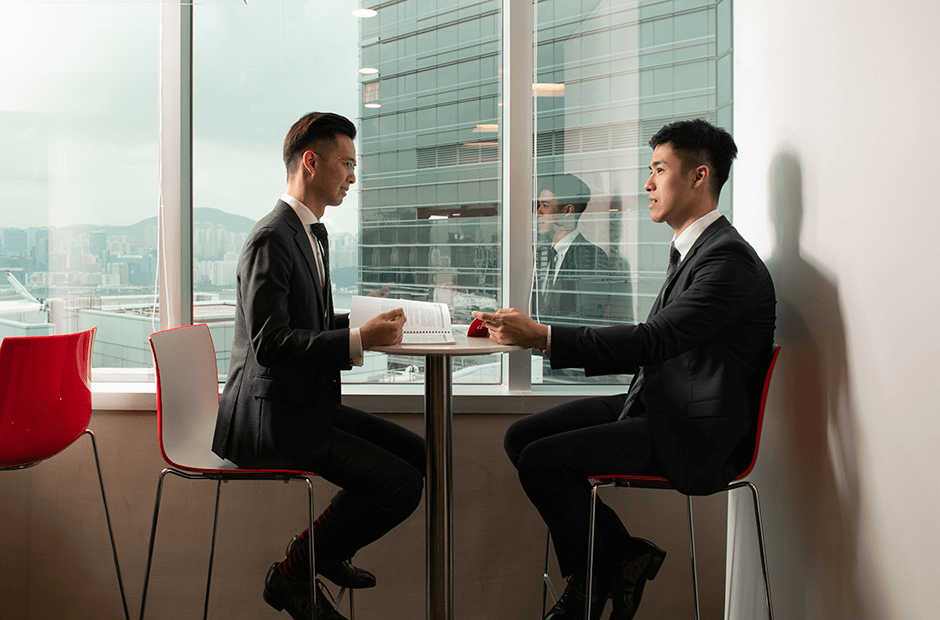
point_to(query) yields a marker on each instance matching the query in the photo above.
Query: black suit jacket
(283, 386)
(580, 294)
(705, 349)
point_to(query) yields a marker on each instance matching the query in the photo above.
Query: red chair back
(760, 413)
(187, 397)
(45, 395)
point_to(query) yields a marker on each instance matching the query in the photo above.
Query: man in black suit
(699, 364)
(281, 406)
(571, 284)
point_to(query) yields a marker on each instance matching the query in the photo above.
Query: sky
(79, 105)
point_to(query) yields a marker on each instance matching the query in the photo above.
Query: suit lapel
(714, 227)
(303, 244)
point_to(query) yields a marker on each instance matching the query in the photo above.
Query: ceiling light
(368, 71)
(486, 128)
(365, 13)
(548, 90)
(373, 105)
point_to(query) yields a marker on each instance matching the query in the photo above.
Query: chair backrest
(760, 414)
(187, 397)
(45, 395)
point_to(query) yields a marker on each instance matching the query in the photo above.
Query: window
(78, 174)
(422, 80)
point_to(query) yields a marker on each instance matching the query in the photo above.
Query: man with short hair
(571, 284)
(281, 406)
(699, 363)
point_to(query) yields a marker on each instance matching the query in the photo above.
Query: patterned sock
(296, 567)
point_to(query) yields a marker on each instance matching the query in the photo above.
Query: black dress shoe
(294, 597)
(570, 605)
(637, 568)
(343, 574)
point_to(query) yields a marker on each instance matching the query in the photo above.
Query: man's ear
(700, 176)
(568, 210)
(308, 162)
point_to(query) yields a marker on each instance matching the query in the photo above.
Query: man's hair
(310, 132)
(699, 143)
(567, 190)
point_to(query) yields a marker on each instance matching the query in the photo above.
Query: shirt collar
(306, 215)
(690, 235)
(562, 246)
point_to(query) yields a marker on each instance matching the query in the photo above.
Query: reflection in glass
(622, 70)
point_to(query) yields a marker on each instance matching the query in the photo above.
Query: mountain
(231, 222)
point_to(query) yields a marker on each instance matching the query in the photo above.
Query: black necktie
(319, 231)
(552, 262)
(638, 378)
(673, 260)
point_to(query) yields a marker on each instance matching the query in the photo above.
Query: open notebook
(427, 322)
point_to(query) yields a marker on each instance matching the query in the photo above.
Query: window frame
(516, 141)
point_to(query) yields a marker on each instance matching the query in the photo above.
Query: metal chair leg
(590, 561)
(760, 544)
(313, 563)
(215, 527)
(547, 587)
(692, 552)
(153, 534)
(107, 516)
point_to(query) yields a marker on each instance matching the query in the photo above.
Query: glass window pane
(78, 174)
(612, 76)
(423, 216)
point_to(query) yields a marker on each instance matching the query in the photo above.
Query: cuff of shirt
(355, 347)
(548, 343)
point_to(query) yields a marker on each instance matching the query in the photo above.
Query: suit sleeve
(723, 286)
(281, 315)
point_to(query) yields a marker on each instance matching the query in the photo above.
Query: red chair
(656, 482)
(187, 406)
(45, 405)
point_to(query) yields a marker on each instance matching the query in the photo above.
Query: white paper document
(426, 322)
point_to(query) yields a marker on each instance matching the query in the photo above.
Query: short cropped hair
(312, 130)
(567, 190)
(699, 143)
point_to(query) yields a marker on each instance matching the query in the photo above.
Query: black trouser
(556, 450)
(379, 467)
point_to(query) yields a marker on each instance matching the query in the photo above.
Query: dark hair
(700, 143)
(310, 131)
(567, 190)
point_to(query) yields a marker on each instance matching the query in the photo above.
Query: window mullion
(174, 249)
(516, 139)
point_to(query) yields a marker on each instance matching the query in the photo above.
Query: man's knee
(406, 489)
(515, 441)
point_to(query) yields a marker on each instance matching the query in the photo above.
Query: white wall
(836, 119)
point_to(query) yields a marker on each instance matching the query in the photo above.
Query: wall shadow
(814, 491)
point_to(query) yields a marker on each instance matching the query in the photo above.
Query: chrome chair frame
(189, 454)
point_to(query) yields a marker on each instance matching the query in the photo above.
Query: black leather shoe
(570, 605)
(294, 597)
(637, 568)
(343, 574)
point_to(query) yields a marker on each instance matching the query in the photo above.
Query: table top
(464, 346)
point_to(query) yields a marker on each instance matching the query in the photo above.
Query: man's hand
(384, 329)
(509, 326)
(382, 291)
